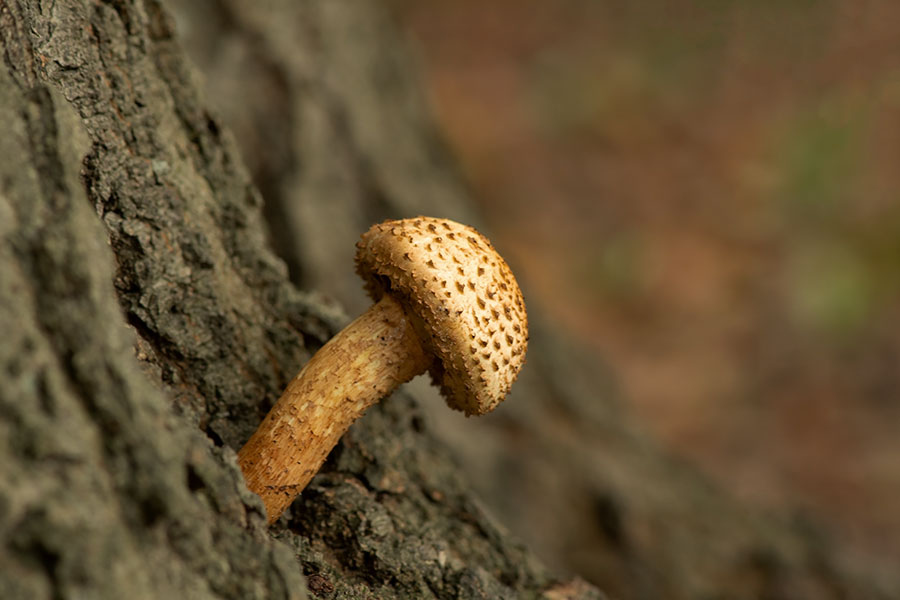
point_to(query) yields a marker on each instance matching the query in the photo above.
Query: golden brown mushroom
(445, 302)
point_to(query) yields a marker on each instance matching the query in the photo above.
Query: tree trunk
(148, 327)
(135, 279)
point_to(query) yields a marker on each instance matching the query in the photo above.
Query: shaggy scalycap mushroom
(468, 308)
(445, 302)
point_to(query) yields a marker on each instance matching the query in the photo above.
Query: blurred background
(700, 201)
(706, 193)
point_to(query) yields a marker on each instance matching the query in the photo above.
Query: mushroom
(445, 302)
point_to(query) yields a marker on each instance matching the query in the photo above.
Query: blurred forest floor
(707, 193)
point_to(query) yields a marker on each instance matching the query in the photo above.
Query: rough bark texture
(104, 492)
(147, 328)
(135, 278)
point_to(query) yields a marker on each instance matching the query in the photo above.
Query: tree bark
(148, 327)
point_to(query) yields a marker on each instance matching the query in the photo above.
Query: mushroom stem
(360, 365)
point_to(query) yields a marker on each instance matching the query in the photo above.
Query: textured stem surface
(360, 365)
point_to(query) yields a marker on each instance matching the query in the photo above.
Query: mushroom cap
(463, 301)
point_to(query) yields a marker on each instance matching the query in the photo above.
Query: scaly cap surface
(466, 303)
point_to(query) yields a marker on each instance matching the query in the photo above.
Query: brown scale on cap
(445, 302)
(467, 305)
